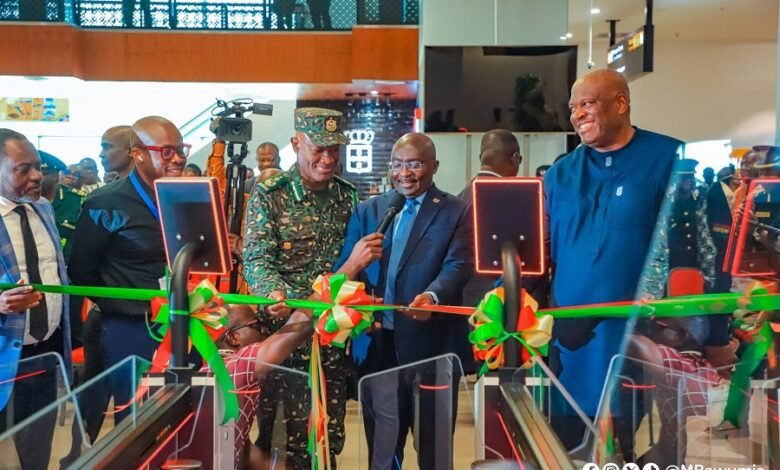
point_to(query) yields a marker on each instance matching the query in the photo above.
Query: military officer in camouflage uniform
(295, 227)
(67, 205)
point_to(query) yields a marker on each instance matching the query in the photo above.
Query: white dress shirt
(47, 261)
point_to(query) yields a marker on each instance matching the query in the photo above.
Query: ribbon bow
(208, 318)
(488, 336)
(337, 319)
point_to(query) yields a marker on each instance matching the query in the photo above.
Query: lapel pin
(436, 200)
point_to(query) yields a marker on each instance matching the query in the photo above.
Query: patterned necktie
(400, 237)
(39, 315)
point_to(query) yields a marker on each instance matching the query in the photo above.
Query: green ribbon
(709, 304)
(199, 298)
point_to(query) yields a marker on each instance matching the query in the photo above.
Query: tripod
(234, 198)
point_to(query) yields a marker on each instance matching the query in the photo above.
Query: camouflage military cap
(323, 126)
(50, 163)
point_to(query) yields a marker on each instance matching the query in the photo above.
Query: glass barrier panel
(574, 430)
(67, 422)
(411, 415)
(29, 419)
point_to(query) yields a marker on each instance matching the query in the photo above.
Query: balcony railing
(242, 15)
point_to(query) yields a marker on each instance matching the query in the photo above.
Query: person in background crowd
(320, 14)
(294, 231)
(284, 13)
(115, 152)
(89, 175)
(720, 204)
(67, 205)
(499, 157)
(709, 177)
(192, 170)
(71, 178)
(541, 170)
(685, 240)
(31, 323)
(51, 167)
(267, 159)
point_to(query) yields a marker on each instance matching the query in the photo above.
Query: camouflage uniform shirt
(289, 238)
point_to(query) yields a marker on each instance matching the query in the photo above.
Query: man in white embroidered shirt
(31, 323)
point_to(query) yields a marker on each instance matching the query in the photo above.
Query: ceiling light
(563, 38)
(374, 92)
(569, 35)
(595, 11)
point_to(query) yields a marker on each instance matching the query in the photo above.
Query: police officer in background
(295, 227)
(690, 240)
(67, 205)
(51, 167)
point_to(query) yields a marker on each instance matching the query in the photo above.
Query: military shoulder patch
(273, 183)
(344, 182)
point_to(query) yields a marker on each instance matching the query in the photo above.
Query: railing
(262, 15)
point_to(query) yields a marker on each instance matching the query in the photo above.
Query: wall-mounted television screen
(475, 89)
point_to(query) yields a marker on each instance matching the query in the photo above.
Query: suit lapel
(7, 256)
(431, 205)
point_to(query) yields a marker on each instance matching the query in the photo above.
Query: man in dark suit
(31, 323)
(499, 157)
(424, 259)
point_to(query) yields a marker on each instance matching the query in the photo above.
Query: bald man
(118, 242)
(499, 157)
(424, 258)
(603, 200)
(115, 150)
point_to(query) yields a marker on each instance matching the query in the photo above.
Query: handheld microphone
(396, 203)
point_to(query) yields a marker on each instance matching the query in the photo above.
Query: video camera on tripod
(235, 131)
(229, 123)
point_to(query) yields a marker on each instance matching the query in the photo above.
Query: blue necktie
(400, 238)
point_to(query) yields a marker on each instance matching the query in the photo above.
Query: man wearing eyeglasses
(294, 231)
(425, 258)
(118, 243)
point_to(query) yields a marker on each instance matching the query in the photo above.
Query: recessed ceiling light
(569, 35)
(595, 11)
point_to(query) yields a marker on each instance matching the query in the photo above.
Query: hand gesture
(19, 299)
(279, 310)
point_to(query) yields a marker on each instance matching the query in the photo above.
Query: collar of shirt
(146, 188)
(299, 189)
(488, 173)
(6, 206)
(607, 158)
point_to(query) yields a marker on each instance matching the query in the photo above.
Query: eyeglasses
(254, 323)
(396, 165)
(168, 151)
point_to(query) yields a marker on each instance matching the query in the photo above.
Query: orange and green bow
(337, 317)
(208, 318)
(488, 335)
